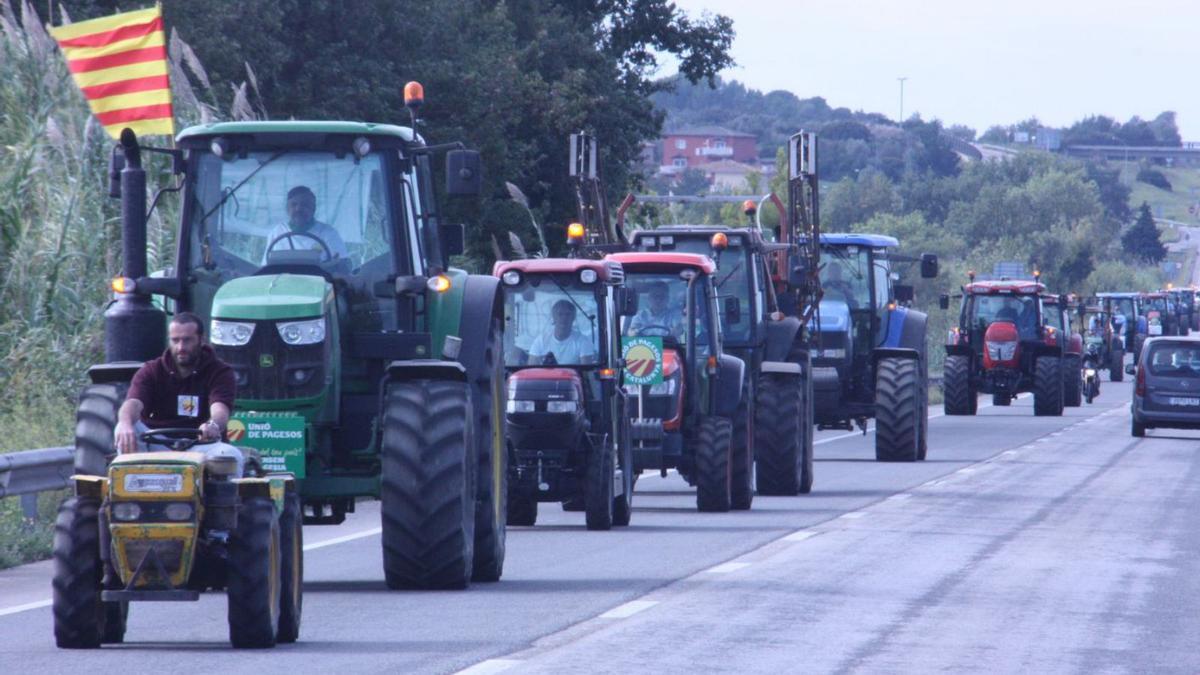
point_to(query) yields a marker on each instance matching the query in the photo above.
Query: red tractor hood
(1001, 345)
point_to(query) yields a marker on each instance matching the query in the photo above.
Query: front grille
(169, 552)
(293, 371)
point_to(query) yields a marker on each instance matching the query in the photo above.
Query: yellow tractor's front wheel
(253, 577)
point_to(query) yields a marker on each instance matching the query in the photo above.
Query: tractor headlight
(126, 511)
(303, 332)
(519, 406)
(231, 333)
(561, 406)
(178, 511)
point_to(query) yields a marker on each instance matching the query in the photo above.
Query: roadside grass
(1173, 204)
(42, 424)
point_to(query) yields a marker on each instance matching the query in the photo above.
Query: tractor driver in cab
(563, 344)
(188, 386)
(835, 286)
(302, 230)
(657, 314)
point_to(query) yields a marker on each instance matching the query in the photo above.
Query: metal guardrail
(33, 471)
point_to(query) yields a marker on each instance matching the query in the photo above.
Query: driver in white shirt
(565, 342)
(301, 210)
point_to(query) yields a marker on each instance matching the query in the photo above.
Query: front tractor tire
(254, 576)
(1048, 387)
(598, 488)
(779, 438)
(1116, 366)
(79, 614)
(898, 410)
(712, 464)
(291, 579)
(491, 507)
(1072, 381)
(741, 449)
(428, 496)
(959, 398)
(95, 418)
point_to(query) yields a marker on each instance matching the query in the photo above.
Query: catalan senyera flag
(120, 64)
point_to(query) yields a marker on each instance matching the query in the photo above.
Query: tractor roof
(295, 127)
(606, 270)
(1154, 294)
(1005, 286)
(664, 259)
(1122, 294)
(739, 234)
(854, 239)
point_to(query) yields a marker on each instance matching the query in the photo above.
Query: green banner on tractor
(643, 357)
(278, 438)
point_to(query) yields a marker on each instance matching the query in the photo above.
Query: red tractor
(1002, 346)
(1057, 310)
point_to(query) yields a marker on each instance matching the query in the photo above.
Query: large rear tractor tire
(1072, 381)
(741, 450)
(779, 438)
(1048, 387)
(291, 578)
(1138, 341)
(712, 464)
(959, 398)
(79, 614)
(491, 507)
(1116, 366)
(897, 410)
(95, 419)
(598, 488)
(428, 498)
(253, 576)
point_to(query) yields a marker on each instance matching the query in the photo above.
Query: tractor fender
(728, 390)
(481, 302)
(906, 329)
(117, 371)
(958, 350)
(425, 369)
(781, 367)
(781, 335)
(894, 352)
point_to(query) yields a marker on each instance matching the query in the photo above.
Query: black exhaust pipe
(134, 329)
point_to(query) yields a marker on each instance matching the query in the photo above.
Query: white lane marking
(489, 666)
(628, 609)
(853, 515)
(341, 540)
(24, 608)
(727, 568)
(966, 470)
(800, 535)
(899, 498)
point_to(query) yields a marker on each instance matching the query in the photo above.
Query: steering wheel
(176, 438)
(289, 235)
(665, 330)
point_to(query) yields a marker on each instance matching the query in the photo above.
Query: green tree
(1142, 239)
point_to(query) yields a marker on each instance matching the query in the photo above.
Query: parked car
(1166, 392)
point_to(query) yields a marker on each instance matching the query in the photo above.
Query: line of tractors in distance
(370, 368)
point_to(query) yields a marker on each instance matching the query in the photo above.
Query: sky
(974, 62)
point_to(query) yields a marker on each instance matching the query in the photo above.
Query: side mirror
(929, 265)
(944, 301)
(116, 164)
(903, 293)
(627, 302)
(1130, 369)
(464, 175)
(452, 238)
(733, 310)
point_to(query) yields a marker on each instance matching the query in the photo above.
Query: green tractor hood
(274, 297)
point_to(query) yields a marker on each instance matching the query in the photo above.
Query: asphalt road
(1022, 544)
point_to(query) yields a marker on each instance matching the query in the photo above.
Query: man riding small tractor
(163, 526)
(1101, 339)
(566, 414)
(685, 421)
(1002, 346)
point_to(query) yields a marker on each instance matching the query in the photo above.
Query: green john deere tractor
(365, 365)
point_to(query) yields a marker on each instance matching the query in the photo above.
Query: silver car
(1166, 391)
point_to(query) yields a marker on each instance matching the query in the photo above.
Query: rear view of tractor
(1057, 310)
(1102, 342)
(1124, 311)
(316, 254)
(1002, 346)
(566, 413)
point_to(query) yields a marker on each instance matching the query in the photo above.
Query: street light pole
(901, 79)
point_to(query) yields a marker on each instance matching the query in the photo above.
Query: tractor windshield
(846, 275)
(1123, 306)
(314, 208)
(662, 309)
(551, 320)
(1053, 317)
(1159, 304)
(733, 279)
(1021, 310)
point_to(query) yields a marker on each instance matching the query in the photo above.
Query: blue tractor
(871, 360)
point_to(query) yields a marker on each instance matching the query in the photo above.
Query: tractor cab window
(733, 279)
(1053, 317)
(1123, 306)
(551, 320)
(1157, 304)
(662, 309)
(1021, 310)
(291, 207)
(846, 275)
